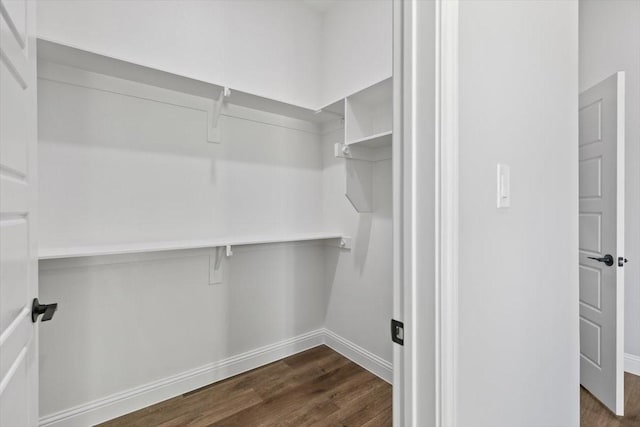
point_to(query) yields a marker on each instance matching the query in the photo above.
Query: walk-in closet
(215, 196)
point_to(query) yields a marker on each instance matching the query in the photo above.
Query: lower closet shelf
(133, 248)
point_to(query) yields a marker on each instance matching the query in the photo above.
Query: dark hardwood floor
(318, 387)
(595, 414)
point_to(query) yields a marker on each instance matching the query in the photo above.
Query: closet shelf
(368, 120)
(134, 248)
(382, 139)
(62, 54)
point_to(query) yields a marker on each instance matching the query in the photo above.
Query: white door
(18, 249)
(602, 241)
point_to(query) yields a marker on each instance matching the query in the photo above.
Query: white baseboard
(122, 403)
(632, 364)
(359, 355)
(140, 397)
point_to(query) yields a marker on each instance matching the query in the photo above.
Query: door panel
(15, 54)
(14, 130)
(18, 248)
(602, 232)
(17, 20)
(16, 340)
(591, 348)
(591, 178)
(15, 393)
(590, 123)
(14, 270)
(590, 232)
(590, 287)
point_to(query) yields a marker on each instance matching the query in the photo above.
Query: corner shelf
(382, 139)
(368, 120)
(135, 248)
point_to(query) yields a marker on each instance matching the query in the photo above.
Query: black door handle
(607, 259)
(47, 309)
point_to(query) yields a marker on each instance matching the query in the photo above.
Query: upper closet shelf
(134, 248)
(89, 61)
(368, 123)
(382, 139)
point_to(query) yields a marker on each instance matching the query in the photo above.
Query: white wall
(269, 48)
(356, 47)
(116, 168)
(519, 344)
(282, 49)
(610, 42)
(356, 53)
(360, 290)
(128, 324)
(141, 170)
(119, 168)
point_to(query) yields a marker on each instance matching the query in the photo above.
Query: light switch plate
(503, 189)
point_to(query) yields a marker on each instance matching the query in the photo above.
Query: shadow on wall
(353, 261)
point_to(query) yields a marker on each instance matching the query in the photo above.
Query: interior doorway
(609, 46)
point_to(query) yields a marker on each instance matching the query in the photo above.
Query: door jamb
(447, 203)
(425, 69)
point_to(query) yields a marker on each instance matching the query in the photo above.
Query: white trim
(127, 401)
(426, 132)
(397, 175)
(632, 364)
(447, 211)
(620, 232)
(369, 361)
(416, 59)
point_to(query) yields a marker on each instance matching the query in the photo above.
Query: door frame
(425, 70)
(621, 124)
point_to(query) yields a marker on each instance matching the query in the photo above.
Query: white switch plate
(503, 186)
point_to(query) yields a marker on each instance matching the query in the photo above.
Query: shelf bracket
(359, 172)
(367, 154)
(341, 243)
(216, 263)
(214, 130)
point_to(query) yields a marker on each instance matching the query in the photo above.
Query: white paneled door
(602, 241)
(18, 249)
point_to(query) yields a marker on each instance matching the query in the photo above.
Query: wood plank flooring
(318, 387)
(595, 414)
